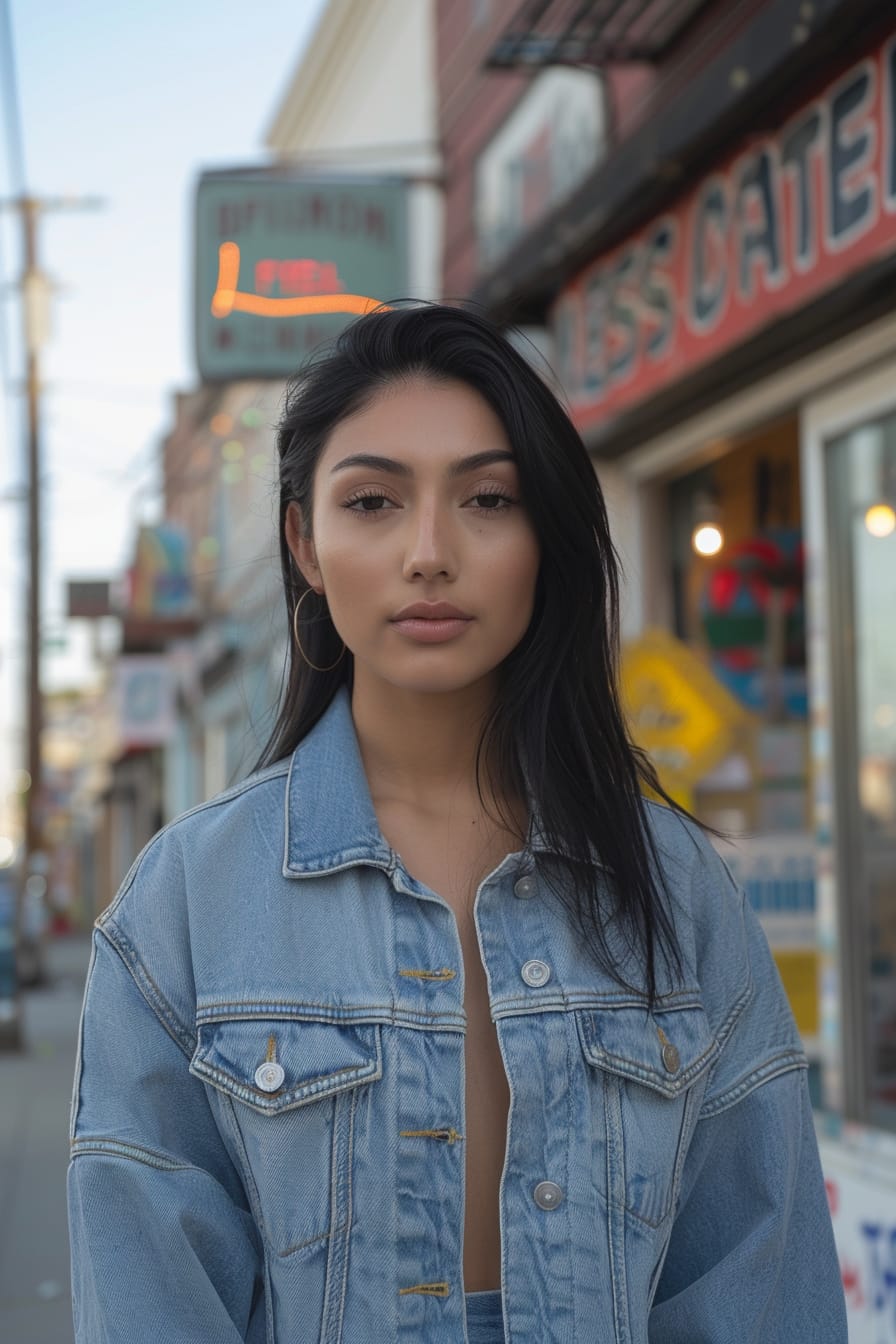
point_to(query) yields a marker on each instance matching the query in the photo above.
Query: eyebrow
(459, 468)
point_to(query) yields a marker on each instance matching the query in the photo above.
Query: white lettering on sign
(767, 231)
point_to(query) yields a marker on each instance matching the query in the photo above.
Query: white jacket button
(547, 1195)
(525, 887)
(269, 1077)
(536, 973)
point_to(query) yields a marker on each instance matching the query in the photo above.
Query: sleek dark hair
(556, 729)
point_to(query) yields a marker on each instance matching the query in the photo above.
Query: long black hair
(556, 730)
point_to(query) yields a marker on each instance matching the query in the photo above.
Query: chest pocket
(647, 1073)
(288, 1093)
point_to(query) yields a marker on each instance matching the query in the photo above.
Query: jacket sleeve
(163, 1243)
(751, 1255)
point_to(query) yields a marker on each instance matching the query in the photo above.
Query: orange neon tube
(228, 299)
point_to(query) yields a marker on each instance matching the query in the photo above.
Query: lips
(431, 611)
(431, 622)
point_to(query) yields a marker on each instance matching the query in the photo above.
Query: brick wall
(473, 101)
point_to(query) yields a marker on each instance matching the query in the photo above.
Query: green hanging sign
(283, 262)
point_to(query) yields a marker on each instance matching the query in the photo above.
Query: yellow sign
(677, 711)
(799, 974)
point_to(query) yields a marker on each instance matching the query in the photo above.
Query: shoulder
(184, 885)
(210, 831)
(726, 954)
(712, 920)
(696, 877)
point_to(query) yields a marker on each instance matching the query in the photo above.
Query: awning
(590, 32)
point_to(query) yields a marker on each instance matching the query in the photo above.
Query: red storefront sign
(786, 218)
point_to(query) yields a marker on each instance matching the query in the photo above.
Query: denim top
(268, 1116)
(485, 1318)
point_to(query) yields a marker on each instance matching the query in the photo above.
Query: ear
(301, 548)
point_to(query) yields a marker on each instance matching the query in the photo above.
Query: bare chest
(454, 875)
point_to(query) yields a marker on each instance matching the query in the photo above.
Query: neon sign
(299, 273)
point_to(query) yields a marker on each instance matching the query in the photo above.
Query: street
(35, 1093)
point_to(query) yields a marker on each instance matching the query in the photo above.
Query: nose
(429, 548)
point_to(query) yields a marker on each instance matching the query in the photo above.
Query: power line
(15, 158)
(14, 141)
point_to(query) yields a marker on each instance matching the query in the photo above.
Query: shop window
(735, 560)
(862, 522)
(737, 588)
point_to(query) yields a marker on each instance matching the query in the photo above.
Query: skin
(431, 536)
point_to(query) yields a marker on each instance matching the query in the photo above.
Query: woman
(433, 1029)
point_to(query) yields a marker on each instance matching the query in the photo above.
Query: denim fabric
(485, 1318)
(268, 1112)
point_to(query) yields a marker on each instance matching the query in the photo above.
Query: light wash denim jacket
(268, 1113)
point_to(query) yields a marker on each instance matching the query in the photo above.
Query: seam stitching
(778, 1064)
(148, 987)
(148, 1157)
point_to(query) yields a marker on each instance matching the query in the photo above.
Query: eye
(367, 502)
(492, 501)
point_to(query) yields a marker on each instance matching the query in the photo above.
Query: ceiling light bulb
(880, 520)
(707, 539)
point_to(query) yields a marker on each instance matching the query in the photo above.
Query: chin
(443, 681)
(434, 685)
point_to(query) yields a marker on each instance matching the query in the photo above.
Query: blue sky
(126, 102)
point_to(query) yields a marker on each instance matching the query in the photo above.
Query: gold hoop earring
(295, 631)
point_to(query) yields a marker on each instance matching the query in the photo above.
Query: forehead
(420, 419)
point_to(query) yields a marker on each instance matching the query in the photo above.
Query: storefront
(733, 368)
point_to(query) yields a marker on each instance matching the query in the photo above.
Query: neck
(419, 748)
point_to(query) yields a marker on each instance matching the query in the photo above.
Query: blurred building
(70, 719)
(221, 674)
(695, 207)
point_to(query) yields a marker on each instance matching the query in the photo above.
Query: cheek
(515, 574)
(525, 564)
(345, 562)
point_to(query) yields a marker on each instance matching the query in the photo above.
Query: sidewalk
(35, 1093)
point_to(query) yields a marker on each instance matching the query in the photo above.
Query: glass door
(861, 494)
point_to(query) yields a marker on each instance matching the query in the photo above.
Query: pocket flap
(316, 1059)
(665, 1050)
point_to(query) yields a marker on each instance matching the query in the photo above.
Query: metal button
(269, 1077)
(536, 973)
(525, 887)
(671, 1058)
(547, 1195)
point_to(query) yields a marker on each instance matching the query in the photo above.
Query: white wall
(363, 99)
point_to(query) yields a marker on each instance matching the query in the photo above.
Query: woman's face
(417, 501)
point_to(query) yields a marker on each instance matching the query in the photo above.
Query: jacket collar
(330, 818)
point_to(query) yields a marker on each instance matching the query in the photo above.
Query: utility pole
(35, 291)
(35, 308)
